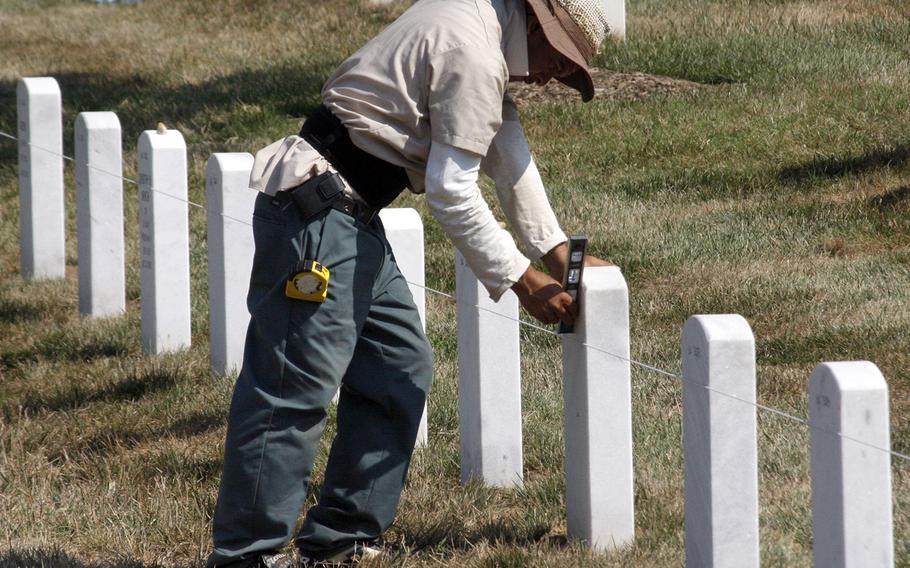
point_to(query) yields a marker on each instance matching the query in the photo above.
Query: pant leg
(295, 356)
(379, 411)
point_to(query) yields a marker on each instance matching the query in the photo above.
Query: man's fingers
(546, 300)
(568, 314)
(573, 309)
(549, 292)
(563, 308)
(544, 315)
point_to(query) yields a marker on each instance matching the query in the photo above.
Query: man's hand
(558, 257)
(544, 297)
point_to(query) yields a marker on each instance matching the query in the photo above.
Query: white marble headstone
(598, 414)
(489, 382)
(164, 242)
(404, 231)
(99, 214)
(851, 482)
(720, 442)
(41, 206)
(230, 204)
(615, 11)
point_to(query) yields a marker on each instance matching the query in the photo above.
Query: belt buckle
(347, 206)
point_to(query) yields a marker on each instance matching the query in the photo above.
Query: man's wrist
(522, 287)
(556, 260)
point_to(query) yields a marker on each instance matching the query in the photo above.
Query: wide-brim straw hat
(574, 28)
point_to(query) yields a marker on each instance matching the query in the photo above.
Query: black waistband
(378, 182)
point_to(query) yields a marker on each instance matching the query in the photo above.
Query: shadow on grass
(451, 533)
(221, 105)
(132, 388)
(53, 558)
(67, 345)
(63, 346)
(16, 311)
(832, 344)
(891, 199)
(179, 466)
(876, 159)
(115, 439)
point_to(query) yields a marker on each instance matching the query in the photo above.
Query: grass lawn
(779, 189)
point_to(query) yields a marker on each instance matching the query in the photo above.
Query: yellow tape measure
(309, 281)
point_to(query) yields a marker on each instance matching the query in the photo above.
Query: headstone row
(851, 484)
(850, 465)
(163, 227)
(163, 222)
(597, 401)
(849, 449)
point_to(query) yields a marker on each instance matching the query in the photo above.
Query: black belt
(322, 192)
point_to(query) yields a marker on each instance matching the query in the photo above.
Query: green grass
(778, 191)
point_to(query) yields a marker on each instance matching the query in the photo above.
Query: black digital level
(571, 281)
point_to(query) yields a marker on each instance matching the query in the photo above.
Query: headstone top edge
(170, 139)
(401, 215)
(599, 278)
(232, 155)
(231, 161)
(726, 327)
(849, 376)
(39, 85)
(98, 119)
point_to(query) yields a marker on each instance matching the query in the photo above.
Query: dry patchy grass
(779, 192)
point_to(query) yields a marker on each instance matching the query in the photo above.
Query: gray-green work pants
(366, 338)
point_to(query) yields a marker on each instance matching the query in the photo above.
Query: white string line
(122, 177)
(658, 370)
(631, 361)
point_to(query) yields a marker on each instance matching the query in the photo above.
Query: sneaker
(348, 556)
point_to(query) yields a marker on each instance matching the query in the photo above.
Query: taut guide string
(657, 370)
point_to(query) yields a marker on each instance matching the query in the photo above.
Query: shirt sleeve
(464, 97)
(457, 204)
(520, 188)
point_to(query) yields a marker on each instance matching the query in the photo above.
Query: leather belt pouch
(317, 194)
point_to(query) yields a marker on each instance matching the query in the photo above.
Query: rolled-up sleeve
(457, 204)
(520, 188)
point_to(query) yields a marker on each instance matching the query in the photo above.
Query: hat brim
(560, 40)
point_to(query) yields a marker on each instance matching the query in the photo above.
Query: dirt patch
(607, 85)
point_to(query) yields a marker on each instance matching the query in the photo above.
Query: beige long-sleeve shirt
(427, 94)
